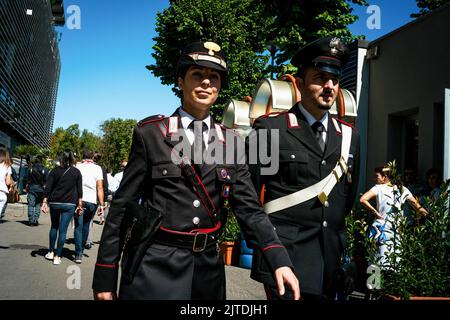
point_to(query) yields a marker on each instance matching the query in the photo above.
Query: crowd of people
(72, 192)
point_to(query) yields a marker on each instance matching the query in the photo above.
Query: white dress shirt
(311, 120)
(186, 120)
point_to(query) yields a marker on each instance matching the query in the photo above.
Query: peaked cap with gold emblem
(204, 54)
(328, 54)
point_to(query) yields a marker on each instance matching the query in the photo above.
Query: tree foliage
(298, 22)
(71, 139)
(114, 144)
(238, 26)
(246, 30)
(116, 141)
(63, 139)
(427, 6)
(28, 150)
(89, 141)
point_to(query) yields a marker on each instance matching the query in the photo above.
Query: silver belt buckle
(195, 247)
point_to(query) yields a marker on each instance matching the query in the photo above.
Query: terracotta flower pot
(230, 253)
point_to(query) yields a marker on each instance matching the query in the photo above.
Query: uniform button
(292, 156)
(324, 162)
(326, 204)
(196, 220)
(164, 172)
(325, 224)
(196, 203)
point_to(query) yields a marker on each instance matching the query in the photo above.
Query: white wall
(412, 70)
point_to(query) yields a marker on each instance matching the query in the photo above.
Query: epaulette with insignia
(292, 121)
(151, 119)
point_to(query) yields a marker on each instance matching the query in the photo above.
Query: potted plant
(418, 266)
(229, 239)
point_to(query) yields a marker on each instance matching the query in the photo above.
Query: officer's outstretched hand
(285, 275)
(104, 295)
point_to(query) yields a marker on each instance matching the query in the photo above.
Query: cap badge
(223, 173)
(211, 46)
(336, 46)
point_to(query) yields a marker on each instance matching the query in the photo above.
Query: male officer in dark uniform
(315, 187)
(183, 262)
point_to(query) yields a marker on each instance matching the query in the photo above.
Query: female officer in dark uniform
(183, 261)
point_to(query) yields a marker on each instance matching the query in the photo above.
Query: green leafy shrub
(231, 231)
(419, 262)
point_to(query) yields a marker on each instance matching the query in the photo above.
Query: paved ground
(27, 275)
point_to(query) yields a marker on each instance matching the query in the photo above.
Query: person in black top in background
(63, 192)
(37, 178)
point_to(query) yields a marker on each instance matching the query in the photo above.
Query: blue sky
(103, 71)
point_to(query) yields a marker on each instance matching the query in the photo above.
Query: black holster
(139, 225)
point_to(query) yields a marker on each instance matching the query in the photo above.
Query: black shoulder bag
(139, 225)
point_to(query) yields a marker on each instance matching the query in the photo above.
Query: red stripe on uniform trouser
(112, 266)
(271, 247)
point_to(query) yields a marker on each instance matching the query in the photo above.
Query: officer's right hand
(285, 275)
(104, 295)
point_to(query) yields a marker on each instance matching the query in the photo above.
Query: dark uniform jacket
(313, 233)
(168, 272)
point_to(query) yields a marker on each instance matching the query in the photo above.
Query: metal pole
(447, 135)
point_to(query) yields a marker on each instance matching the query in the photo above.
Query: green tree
(246, 30)
(427, 6)
(89, 141)
(116, 141)
(238, 26)
(298, 22)
(63, 139)
(28, 150)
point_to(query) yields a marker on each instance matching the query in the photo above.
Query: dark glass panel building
(29, 70)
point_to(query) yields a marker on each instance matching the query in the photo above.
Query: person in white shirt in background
(112, 184)
(390, 198)
(118, 176)
(92, 190)
(97, 157)
(5, 177)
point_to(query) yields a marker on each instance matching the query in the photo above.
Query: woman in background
(5, 179)
(63, 193)
(390, 198)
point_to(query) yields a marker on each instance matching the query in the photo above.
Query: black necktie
(199, 144)
(318, 128)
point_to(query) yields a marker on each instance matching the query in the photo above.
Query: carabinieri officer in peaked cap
(315, 187)
(183, 261)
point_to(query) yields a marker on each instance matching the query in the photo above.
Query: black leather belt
(197, 242)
